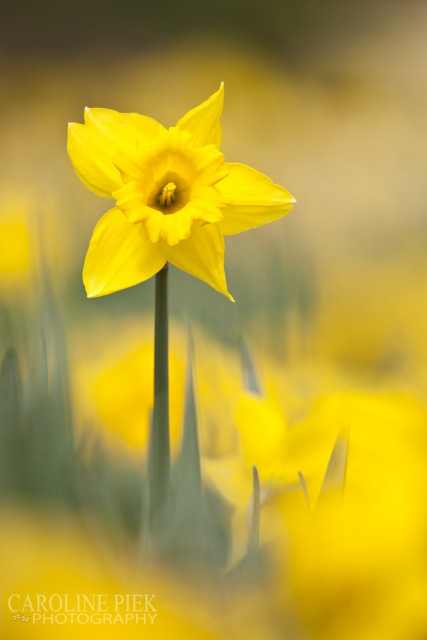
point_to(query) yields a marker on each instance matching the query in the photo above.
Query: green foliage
(43, 461)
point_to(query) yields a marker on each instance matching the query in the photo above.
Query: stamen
(167, 197)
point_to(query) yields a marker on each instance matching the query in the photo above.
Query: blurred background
(329, 99)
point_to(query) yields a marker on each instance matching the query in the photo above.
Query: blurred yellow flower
(17, 259)
(126, 407)
(354, 553)
(175, 196)
(14, 247)
(104, 374)
(62, 579)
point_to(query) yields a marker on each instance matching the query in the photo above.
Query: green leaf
(335, 476)
(13, 467)
(199, 527)
(250, 378)
(11, 400)
(253, 543)
(303, 483)
(188, 464)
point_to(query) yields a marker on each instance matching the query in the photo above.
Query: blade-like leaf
(255, 513)
(11, 400)
(250, 377)
(188, 465)
(303, 483)
(335, 476)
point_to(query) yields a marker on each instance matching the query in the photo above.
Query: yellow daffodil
(175, 196)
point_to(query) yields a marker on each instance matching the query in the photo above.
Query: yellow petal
(92, 160)
(120, 255)
(203, 121)
(130, 200)
(202, 256)
(123, 136)
(205, 207)
(209, 163)
(252, 199)
(172, 228)
(114, 125)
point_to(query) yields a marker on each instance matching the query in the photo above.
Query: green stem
(159, 449)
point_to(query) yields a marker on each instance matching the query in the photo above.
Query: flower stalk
(159, 447)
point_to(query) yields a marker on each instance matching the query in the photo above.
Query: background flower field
(317, 375)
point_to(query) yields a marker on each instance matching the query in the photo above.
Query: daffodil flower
(175, 195)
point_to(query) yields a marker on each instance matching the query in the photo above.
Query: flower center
(167, 196)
